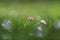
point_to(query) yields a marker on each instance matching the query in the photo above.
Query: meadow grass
(18, 14)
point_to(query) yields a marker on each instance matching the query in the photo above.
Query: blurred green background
(18, 11)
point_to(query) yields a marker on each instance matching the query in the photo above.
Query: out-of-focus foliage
(24, 29)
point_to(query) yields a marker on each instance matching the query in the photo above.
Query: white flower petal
(43, 21)
(40, 28)
(6, 24)
(39, 33)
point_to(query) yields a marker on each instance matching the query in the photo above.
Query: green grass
(47, 10)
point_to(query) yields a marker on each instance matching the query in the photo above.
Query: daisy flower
(43, 21)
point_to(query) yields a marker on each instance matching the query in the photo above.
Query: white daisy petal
(43, 21)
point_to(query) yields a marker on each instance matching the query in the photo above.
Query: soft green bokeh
(18, 14)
